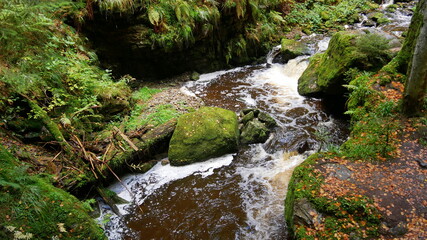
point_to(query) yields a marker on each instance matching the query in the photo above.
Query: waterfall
(386, 3)
(272, 54)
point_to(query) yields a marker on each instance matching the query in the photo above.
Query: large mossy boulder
(365, 50)
(209, 132)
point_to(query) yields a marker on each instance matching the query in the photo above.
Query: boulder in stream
(209, 132)
(365, 50)
(255, 126)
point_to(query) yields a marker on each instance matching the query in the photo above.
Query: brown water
(237, 196)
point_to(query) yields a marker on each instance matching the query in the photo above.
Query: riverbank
(373, 185)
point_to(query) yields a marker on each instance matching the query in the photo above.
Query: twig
(133, 146)
(127, 189)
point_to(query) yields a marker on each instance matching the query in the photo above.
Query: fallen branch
(131, 144)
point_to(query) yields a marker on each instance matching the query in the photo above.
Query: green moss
(326, 70)
(292, 47)
(32, 206)
(404, 57)
(208, 132)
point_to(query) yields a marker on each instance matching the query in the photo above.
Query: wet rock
(255, 126)
(246, 111)
(248, 117)
(164, 162)
(254, 132)
(341, 172)
(369, 23)
(378, 17)
(209, 132)
(195, 76)
(290, 49)
(267, 120)
(305, 213)
(304, 147)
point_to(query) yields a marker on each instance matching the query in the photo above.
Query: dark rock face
(125, 49)
(123, 44)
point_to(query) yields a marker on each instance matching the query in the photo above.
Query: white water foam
(143, 185)
(264, 185)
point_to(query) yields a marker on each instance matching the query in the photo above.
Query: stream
(236, 196)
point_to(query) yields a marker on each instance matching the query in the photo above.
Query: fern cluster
(232, 26)
(45, 61)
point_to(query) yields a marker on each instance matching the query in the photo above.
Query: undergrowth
(374, 119)
(34, 209)
(320, 16)
(143, 116)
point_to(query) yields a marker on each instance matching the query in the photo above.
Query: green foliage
(230, 27)
(144, 94)
(33, 207)
(373, 122)
(47, 62)
(116, 5)
(320, 16)
(375, 47)
(159, 115)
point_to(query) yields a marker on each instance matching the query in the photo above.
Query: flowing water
(237, 196)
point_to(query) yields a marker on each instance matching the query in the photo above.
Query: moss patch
(33, 207)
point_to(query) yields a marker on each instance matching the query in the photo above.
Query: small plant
(144, 94)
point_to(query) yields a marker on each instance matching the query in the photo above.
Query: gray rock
(305, 214)
(341, 172)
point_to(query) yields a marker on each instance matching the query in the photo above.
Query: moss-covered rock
(254, 132)
(32, 207)
(325, 74)
(378, 17)
(209, 132)
(255, 126)
(290, 49)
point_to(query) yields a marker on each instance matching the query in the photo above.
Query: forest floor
(47, 158)
(398, 186)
